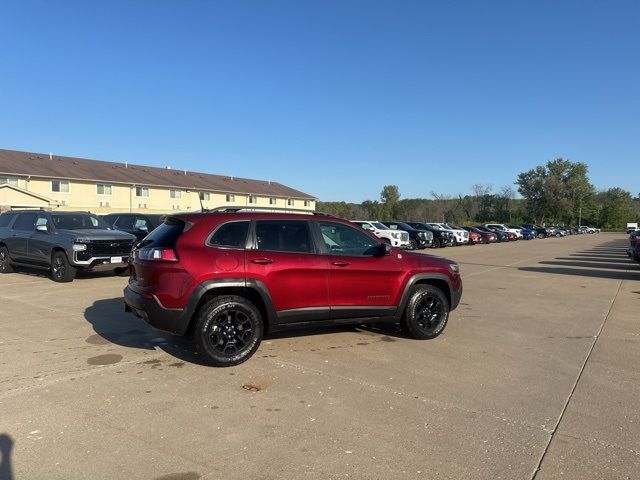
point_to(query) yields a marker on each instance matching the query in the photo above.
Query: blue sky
(334, 98)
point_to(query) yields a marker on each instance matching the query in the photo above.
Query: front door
(362, 283)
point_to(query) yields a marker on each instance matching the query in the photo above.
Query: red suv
(231, 275)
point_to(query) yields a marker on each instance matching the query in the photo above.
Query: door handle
(262, 261)
(340, 264)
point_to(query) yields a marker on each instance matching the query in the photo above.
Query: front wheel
(426, 313)
(61, 270)
(5, 262)
(541, 235)
(228, 330)
(413, 245)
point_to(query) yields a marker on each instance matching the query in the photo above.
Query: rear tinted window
(167, 234)
(283, 235)
(5, 220)
(233, 234)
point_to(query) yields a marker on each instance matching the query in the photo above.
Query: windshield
(78, 221)
(380, 226)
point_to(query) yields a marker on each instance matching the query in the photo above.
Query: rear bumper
(151, 311)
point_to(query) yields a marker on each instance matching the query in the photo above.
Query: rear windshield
(166, 235)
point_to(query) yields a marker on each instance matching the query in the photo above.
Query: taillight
(157, 254)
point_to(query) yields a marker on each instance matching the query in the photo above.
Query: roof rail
(262, 209)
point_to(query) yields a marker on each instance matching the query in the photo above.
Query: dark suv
(134, 223)
(417, 238)
(231, 275)
(62, 242)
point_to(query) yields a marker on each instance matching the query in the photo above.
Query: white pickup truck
(395, 238)
(460, 236)
(504, 228)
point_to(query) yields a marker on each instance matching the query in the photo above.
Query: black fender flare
(453, 297)
(250, 284)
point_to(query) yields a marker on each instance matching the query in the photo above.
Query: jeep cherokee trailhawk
(231, 275)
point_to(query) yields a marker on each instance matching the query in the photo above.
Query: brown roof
(70, 168)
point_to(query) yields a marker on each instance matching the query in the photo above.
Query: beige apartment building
(37, 180)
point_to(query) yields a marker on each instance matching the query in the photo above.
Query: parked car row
(634, 245)
(418, 235)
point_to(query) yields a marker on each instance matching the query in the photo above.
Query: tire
(426, 313)
(228, 330)
(437, 243)
(541, 235)
(61, 270)
(386, 240)
(485, 241)
(413, 245)
(5, 261)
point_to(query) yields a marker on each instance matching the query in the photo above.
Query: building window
(272, 201)
(175, 193)
(253, 199)
(60, 186)
(307, 203)
(291, 202)
(231, 197)
(103, 189)
(205, 196)
(142, 205)
(175, 207)
(9, 181)
(142, 191)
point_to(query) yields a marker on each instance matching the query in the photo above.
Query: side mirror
(42, 228)
(143, 229)
(382, 249)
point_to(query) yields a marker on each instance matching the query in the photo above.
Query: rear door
(285, 260)
(18, 239)
(360, 283)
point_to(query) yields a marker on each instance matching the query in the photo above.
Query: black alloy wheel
(229, 330)
(61, 270)
(5, 262)
(427, 312)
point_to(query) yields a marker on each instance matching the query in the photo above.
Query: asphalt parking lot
(537, 371)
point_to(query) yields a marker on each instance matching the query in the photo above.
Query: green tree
(617, 208)
(557, 191)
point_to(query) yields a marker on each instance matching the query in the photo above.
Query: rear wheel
(61, 270)
(228, 330)
(5, 262)
(426, 313)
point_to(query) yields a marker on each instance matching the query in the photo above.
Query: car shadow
(113, 325)
(6, 448)
(608, 260)
(81, 275)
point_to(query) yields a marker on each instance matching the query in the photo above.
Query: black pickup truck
(61, 242)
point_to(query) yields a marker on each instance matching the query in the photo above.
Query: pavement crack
(575, 384)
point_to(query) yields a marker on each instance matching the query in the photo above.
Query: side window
(141, 222)
(5, 220)
(345, 240)
(125, 222)
(232, 235)
(393, 226)
(42, 220)
(26, 221)
(283, 235)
